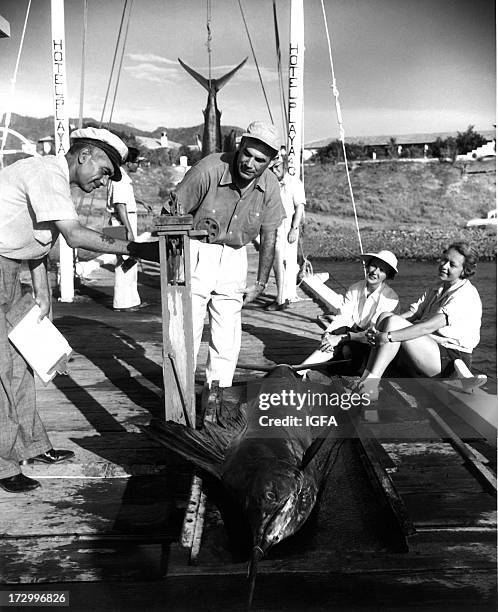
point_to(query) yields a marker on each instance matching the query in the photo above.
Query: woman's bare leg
(318, 356)
(423, 353)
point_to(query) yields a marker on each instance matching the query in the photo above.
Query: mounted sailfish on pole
(211, 139)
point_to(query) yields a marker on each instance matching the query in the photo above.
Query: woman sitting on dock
(441, 327)
(364, 301)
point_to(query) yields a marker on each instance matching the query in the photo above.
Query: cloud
(150, 58)
(152, 73)
(157, 69)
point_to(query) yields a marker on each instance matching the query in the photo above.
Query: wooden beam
(314, 284)
(193, 523)
(373, 458)
(480, 471)
(477, 408)
(4, 28)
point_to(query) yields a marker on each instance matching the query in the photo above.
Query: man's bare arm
(41, 287)
(77, 235)
(266, 255)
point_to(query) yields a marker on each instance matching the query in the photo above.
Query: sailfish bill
(211, 139)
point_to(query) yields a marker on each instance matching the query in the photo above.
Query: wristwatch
(261, 284)
(389, 338)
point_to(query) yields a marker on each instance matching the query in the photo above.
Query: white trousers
(289, 259)
(125, 283)
(218, 275)
(291, 270)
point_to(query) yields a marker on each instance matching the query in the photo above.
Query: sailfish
(272, 472)
(211, 139)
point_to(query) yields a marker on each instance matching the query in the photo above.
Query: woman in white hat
(440, 330)
(363, 303)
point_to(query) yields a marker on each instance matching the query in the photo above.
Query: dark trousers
(22, 434)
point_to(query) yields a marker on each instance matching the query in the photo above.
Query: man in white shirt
(122, 207)
(285, 265)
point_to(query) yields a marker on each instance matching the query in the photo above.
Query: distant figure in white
(122, 207)
(285, 265)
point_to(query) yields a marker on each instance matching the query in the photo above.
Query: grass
(420, 193)
(411, 208)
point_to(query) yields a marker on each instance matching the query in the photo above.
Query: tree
(161, 157)
(331, 153)
(436, 148)
(192, 155)
(469, 140)
(356, 151)
(449, 150)
(392, 148)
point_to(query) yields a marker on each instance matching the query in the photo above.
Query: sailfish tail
(213, 84)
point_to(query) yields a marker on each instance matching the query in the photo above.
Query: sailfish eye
(270, 496)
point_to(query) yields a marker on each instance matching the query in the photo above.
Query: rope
(13, 81)
(113, 63)
(120, 63)
(307, 270)
(83, 61)
(306, 267)
(255, 60)
(283, 103)
(341, 127)
(209, 37)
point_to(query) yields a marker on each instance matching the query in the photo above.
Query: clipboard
(41, 344)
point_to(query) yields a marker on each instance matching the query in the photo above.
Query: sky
(402, 66)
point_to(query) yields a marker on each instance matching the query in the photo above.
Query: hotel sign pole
(61, 133)
(4, 28)
(294, 129)
(296, 87)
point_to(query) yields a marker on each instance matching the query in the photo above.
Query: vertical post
(178, 338)
(61, 132)
(296, 87)
(4, 33)
(4, 28)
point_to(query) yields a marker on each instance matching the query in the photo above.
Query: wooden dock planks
(114, 513)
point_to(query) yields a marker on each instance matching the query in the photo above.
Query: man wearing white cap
(236, 198)
(36, 204)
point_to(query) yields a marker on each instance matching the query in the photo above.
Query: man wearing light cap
(36, 204)
(235, 198)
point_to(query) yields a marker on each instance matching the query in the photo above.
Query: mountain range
(35, 128)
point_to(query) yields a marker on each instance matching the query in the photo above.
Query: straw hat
(386, 256)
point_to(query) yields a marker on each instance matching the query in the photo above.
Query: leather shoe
(132, 308)
(19, 483)
(54, 456)
(275, 306)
